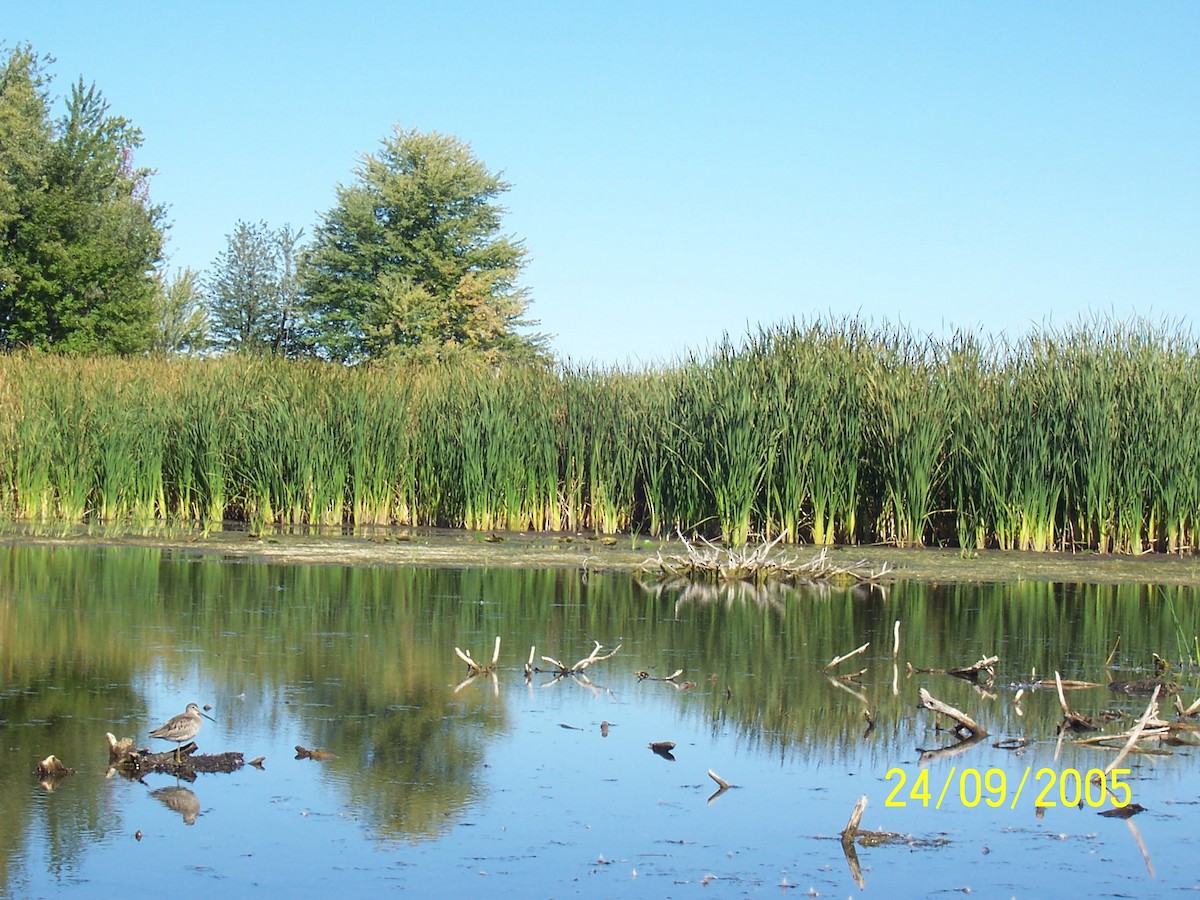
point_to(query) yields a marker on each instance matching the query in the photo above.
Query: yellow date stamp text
(972, 787)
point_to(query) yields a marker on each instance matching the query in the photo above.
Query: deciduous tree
(181, 320)
(411, 260)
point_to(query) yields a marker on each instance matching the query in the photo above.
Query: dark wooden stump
(182, 763)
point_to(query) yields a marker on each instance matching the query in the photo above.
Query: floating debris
(663, 749)
(317, 755)
(1123, 812)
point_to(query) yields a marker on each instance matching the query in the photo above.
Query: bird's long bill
(207, 716)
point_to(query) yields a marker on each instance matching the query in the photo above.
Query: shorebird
(182, 727)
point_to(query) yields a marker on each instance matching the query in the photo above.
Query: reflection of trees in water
(418, 769)
(64, 674)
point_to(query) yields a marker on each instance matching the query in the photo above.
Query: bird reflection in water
(182, 800)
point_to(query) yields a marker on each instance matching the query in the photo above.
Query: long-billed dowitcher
(182, 727)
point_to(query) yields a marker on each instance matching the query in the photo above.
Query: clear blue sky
(682, 170)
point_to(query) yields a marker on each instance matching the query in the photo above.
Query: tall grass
(1086, 437)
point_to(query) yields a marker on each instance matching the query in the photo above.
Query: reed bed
(1081, 438)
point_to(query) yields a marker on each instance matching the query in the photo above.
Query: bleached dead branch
(704, 561)
(594, 657)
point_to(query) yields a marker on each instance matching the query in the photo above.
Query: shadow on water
(531, 778)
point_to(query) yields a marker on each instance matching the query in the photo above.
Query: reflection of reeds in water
(381, 640)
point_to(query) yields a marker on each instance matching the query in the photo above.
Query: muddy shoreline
(454, 549)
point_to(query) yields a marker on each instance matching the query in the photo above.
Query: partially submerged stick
(963, 720)
(972, 672)
(840, 659)
(1071, 720)
(1112, 656)
(1150, 713)
(856, 815)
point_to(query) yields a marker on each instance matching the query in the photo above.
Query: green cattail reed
(908, 396)
(1082, 437)
(837, 422)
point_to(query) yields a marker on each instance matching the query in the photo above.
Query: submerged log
(182, 763)
(1144, 686)
(663, 749)
(316, 754)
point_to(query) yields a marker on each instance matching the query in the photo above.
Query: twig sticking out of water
(840, 659)
(722, 786)
(721, 782)
(1108, 662)
(856, 815)
(480, 668)
(1190, 711)
(1071, 721)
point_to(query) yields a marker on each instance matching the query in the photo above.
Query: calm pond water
(509, 786)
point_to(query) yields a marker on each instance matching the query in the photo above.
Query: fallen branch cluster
(706, 562)
(594, 657)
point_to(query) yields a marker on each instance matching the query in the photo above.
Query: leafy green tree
(181, 320)
(79, 237)
(411, 262)
(25, 137)
(253, 290)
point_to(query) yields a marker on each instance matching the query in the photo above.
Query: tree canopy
(181, 322)
(253, 290)
(411, 261)
(79, 237)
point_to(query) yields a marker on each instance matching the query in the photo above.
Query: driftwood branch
(480, 668)
(968, 673)
(722, 785)
(856, 814)
(594, 657)
(973, 671)
(964, 721)
(1136, 734)
(841, 659)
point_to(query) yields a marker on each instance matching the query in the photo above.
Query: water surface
(509, 785)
